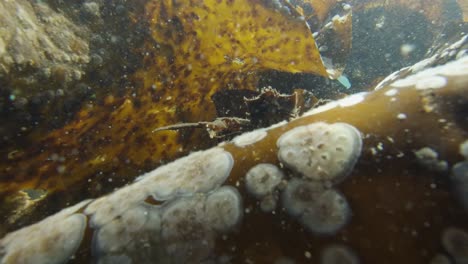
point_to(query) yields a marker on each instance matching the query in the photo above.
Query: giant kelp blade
(238, 33)
(321, 8)
(331, 22)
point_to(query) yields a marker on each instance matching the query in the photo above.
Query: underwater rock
(39, 43)
(57, 56)
(398, 210)
(42, 53)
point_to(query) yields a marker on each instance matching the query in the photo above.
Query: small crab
(243, 110)
(218, 128)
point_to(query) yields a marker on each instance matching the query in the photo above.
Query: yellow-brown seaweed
(331, 21)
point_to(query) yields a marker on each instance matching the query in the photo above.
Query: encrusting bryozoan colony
(321, 210)
(53, 240)
(263, 181)
(195, 209)
(455, 242)
(321, 151)
(338, 254)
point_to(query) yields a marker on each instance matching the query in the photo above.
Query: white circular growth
(182, 230)
(433, 78)
(347, 101)
(456, 68)
(338, 254)
(440, 259)
(429, 158)
(107, 208)
(191, 224)
(119, 234)
(464, 149)
(459, 182)
(134, 236)
(299, 194)
(198, 172)
(322, 211)
(262, 179)
(455, 242)
(407, 82)
(249, 137)
(268, 203)
(186, 236)
(321, 151)
(432, 82)
(113, 259)
(328, 214)
(351, 100)
(323, 108)
(53, 240)
(223, 209)
(391, 92)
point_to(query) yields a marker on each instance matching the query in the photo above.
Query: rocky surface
(54, 55)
